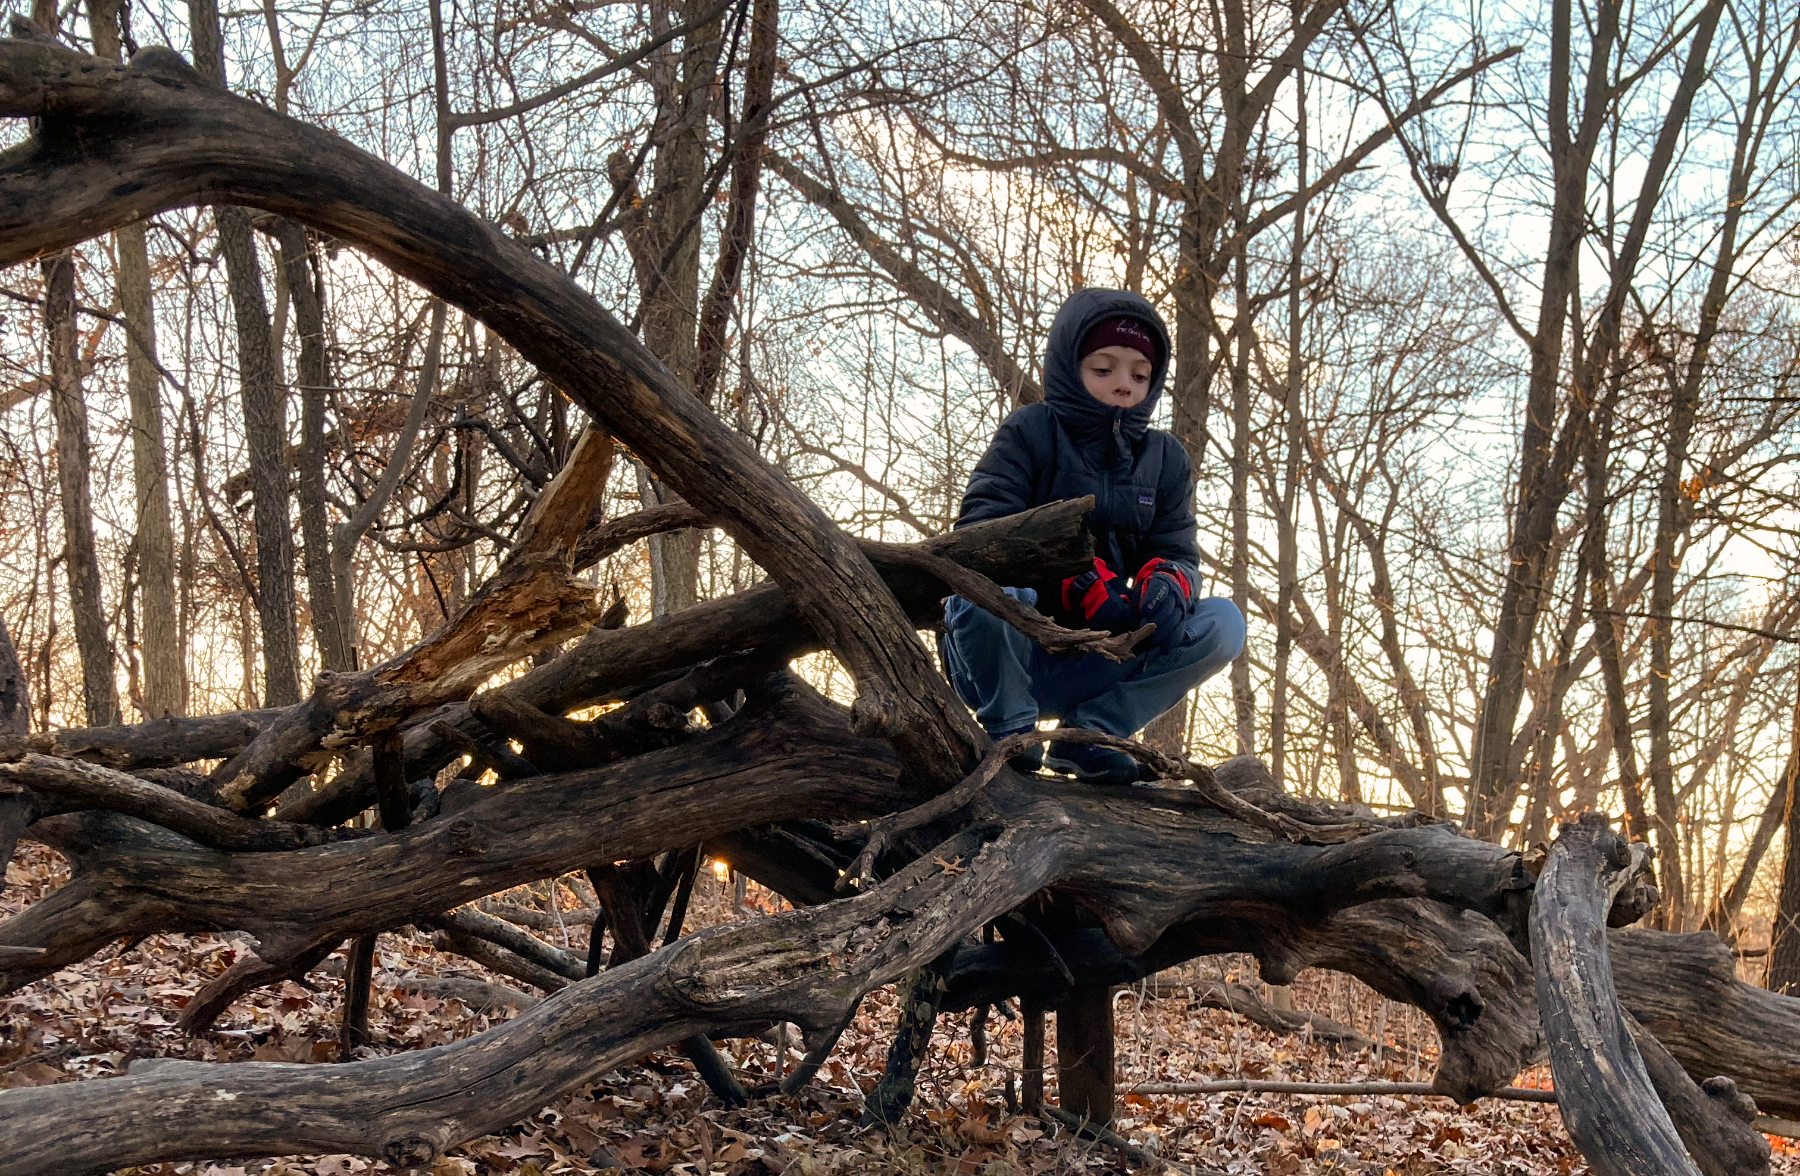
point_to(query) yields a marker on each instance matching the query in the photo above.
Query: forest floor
(87, 1023)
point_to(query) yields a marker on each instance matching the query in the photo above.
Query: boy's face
(1118, 377)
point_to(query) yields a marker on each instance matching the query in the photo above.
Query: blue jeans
(1011, 681)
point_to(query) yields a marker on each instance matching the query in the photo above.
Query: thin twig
(978, 590)
(1088, 1129)
(1261, 1086)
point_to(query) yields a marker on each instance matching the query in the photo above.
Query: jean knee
(1219, 624)
(967, 622)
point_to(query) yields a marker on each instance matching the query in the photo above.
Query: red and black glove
(1099, 596)
(1162, 594)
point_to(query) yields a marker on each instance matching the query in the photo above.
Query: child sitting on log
(1103, 373)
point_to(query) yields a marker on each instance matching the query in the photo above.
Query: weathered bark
(1603, 1090)
(91, 786)
(921, 992)
(533, 602)
(264, 404)
(1713, 1118)
(73, 462)
(156, 744)
(1184, 863)
(15, 688)
(139, 876)
(312, 374)
(1084, 1053)
(607, 661)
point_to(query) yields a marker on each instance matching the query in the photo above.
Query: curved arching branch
(114, 144)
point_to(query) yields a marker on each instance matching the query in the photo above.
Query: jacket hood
(1080, 415)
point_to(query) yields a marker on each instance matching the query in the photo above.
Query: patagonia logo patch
(1146, 500)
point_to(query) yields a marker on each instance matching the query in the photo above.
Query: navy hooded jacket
(1071, 445)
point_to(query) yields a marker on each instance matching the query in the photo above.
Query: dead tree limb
(157, 743)
(1606, 1097)
(533, 601)
(608, 662)
(173, 140)
(1713, 1118)
(1187, 865)
(89, 785)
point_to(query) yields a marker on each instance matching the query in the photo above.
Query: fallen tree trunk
(806, 967)
(1684, 990)
(1167, 872)
(788, 757)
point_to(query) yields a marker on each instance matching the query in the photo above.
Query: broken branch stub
(533, 602)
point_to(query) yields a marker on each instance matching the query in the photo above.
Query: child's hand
(1162, 597)
(1099, 596)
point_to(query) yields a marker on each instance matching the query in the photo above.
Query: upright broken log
(1603, 1090)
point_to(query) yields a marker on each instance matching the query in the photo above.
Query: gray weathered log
(92, 786)
(533, 601)
(469, 921)
(1144, 863)
(1713, 1118)
(1605, 1095)
(157, 743)
(1685, 990)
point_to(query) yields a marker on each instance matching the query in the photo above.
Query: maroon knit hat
(1120, 332)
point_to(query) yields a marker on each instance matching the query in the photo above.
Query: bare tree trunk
(1674, 510)
(1287, 541)
(1547, 459)
(746, 179)
(164, 686)
(666, 244)
(1784, 942)
(1243, 701)
(313, 377)
(73, 461)
(265, 411)
(1543, 464)
(1778, 813)
(15, 691)
(161, 641)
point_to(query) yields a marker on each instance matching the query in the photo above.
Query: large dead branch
(170, 139)
(1185, 864)
(788, 757)
(1045, 539)
(157, 743)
